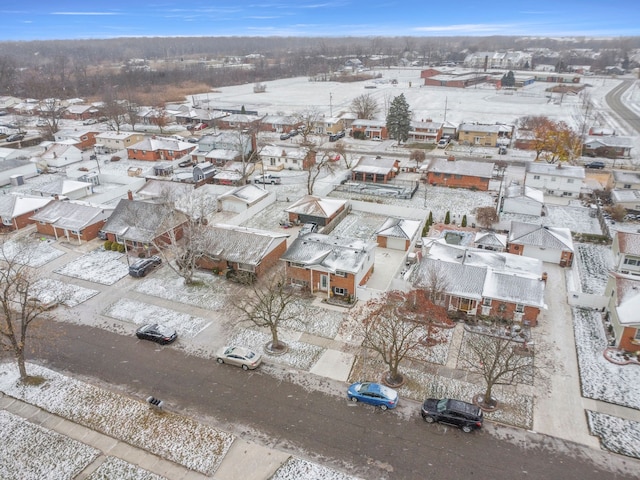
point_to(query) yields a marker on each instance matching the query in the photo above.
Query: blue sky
(73, 19)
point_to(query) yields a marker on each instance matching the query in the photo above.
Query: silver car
(239, 356)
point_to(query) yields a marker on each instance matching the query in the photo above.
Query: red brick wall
(88, 233)
(515, 248)
(509, 310)
(148, 155)
(628, 334)
(466, 181)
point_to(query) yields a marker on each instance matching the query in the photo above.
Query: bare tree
(113, 108)
(346, 156)
(499, 360)
(389, 333)
(486, 216)
(20, 306)
(365, 106)
(417, 156)
(435, 283)
(266, 306)
(160, 118)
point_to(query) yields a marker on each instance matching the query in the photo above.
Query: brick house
(60, 155)
(449, 172)
(607, 146)
(397, 233)
(71, 221)
(82, 138)
(548, 244)
(241, 198)
(140, 226)
(153, 149)
(64, 187)
(239, 121)
(485, 135)
(16, 211)
(114, 141)
(371, 129)
(425, 132)
(623, 292)
(335, 266)
(481, 282)
(80, 112)
(375, 169)
(279, 123)
(241, 249)
(321, 211)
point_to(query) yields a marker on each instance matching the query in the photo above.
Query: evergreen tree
(447, 218)
(243, 110)
(464, 221)
(527, 66)
(430, 220)
(509, 79)
(399, 119)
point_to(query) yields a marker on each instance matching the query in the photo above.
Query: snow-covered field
(99, 266)
(29, 253)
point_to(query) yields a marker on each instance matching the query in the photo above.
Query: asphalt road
(614, 100)
(325, 428)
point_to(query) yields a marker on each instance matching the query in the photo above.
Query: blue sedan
(373, 394)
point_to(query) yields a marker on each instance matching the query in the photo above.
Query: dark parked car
(598, 165)
(308, 228)
(285, 136)
(144, 266)
(334, 137)
(15, 137)
(186, 163)
(157, 333)
(461, 414)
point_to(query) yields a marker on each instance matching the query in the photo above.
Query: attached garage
(397, 233)
(550, 255)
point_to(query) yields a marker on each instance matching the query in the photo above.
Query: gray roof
(329, 253)
(399, 228)
(375, 165)
(70, 215)
(626, 176)
(558, 170)
(241, 244)
(461, 167)
(608, 141)
(540, 236)
(142, 221)
(461, 280)
(316, 206)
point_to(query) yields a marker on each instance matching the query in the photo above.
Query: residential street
(285, 415)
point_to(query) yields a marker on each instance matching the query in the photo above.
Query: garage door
(396, 243)
(550, 255)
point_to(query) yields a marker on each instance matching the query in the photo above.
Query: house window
(637, 335)
(486, 302)
(519, 308)
(536, 177)
(339, 291)
(570, 180)
(340, 274)
(6, 221)
(627, 186)
(298, 265)
(457, 177)
(245, 267)
(630, 261)
(553, 179)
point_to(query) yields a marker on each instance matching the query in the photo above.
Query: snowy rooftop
(141, 221)
(12, 206)
(625, 195)
(625, 176)
(247, 193)
(278, 151)
(477, 127)
(628, 243)
(114, 135)
(380, 166)
(70, 215)
(62, 186)
(153, 144)
(316, 206)
(540, 236)
(556, 170)
(628, 297)
(241, 244)
(608, 141)
(514, 191)
(461, 167)
(399, 228)
(329, 252)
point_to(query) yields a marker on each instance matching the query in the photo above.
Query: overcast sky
(71, 19)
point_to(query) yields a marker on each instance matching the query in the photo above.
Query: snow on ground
(300, 355)
(31, 452)
(599, 378)
(312, 319)
(27, 252)
(593, 262)
(99, 266)
(176, 438)
(115, 468)
(140, 313)
(209, 291)
(48, 290)
(296, 468)
(627, 433)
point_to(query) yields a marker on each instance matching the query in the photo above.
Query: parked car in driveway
(374, 394)
(267, 178)
(143, 266)
(157, 333)
(15, 137)
(466, 416)
(285, 136)
(596, 165)
(242, 357)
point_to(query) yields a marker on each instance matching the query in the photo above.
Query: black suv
(144, 266)
(598, 165)
(453, 412)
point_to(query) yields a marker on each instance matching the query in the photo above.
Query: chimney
(451, 158)
(56, 197)
(130, 195)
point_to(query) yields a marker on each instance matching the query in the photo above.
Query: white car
(239, 356)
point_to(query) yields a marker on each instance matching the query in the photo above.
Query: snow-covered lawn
(115, 468)
(627, 433)
(139, 313)
(99, 266)
(210, 292)
(31, 452)
(594, 262)
(47, 290)
(313, 320)
(30, 252)
(300, 355)
(176, 438)
(296, 469)
(601, 379)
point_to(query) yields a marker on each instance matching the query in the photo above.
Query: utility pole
(445, 109)
(330, 104)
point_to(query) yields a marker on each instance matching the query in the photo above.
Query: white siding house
(558, 180)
